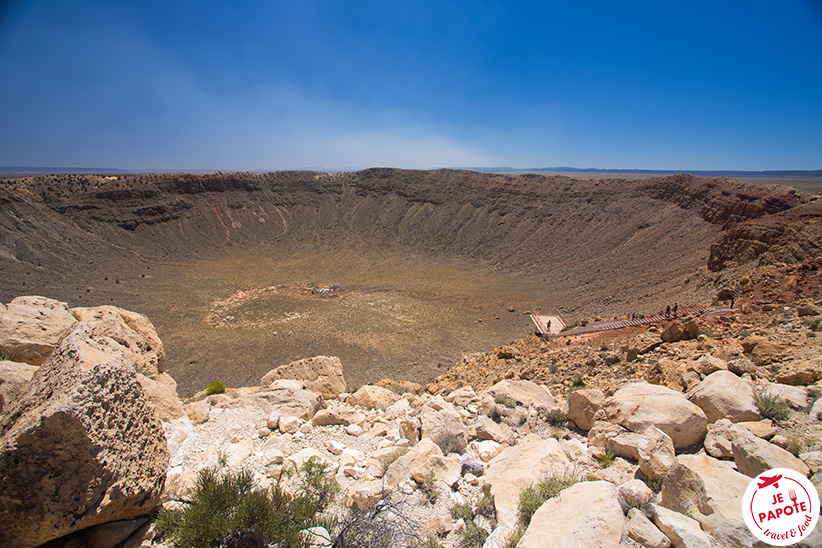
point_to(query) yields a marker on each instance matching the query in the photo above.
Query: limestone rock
(519, 467)
(721, 436)
(198, 412)
(301, 457)
(524, 393)
(761, 429)
(635, 493)
(485, 450)
(762, 350)
(795, 396)
(486, 429)
(80, 446)
(289, 425)
(13, 377)
(643, 531)
(400, 469)
(670, 373)
(753, 456)
(709, 491)
(816, 410)
(444, 469)
(681, 330)
(585, 515)
(723, 395)
(641, 344)
(31, 327)
(109, 535)
(289, 398)
(401, 387)
(338, 413)
(321, 374)
(134, 334)
(614, 438)
(462, 397)
(445, 428)
(619, 472)
(656, 453)
(363, 494)
(741, 366)
(163, 395)
(799, 373)
(583, 404)
(709, 364)
(684, 532)
(640, 405)
(372, 397)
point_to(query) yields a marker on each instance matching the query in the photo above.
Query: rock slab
(585, 515)
(81, 446)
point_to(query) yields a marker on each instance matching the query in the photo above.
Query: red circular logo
(781, 507)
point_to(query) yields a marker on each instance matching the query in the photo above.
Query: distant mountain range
(15, 170)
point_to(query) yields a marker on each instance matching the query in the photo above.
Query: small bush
(473, 536)
(225, 506)
(533, 497)
(606, 459)
(655, 484)
(507, 401)
(512, 539)
(485, 507)
(450, 440)
(772, 407)
(555, 416)
(428, 488)
(578, 383)
(217, 387)
(795, 446)
(462, 511)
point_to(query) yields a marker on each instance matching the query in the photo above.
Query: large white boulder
(723, 395)
(585, 515)
(640, 405)
(519, 467)
(709, 491)
(753, 456)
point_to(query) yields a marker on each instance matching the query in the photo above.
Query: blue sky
(259, 85)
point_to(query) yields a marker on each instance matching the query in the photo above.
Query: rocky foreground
(659, 431)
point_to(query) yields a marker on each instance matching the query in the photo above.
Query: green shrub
(473, 536)
(485, 507)
(578, 383)
(533, 497)
(507, 401)
(223, 505)
(428, 488)
(462, 511)
(606, 459)
(217, 387)
(772, 407)
(512, 539)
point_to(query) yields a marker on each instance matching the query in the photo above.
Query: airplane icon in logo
(769, 481)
